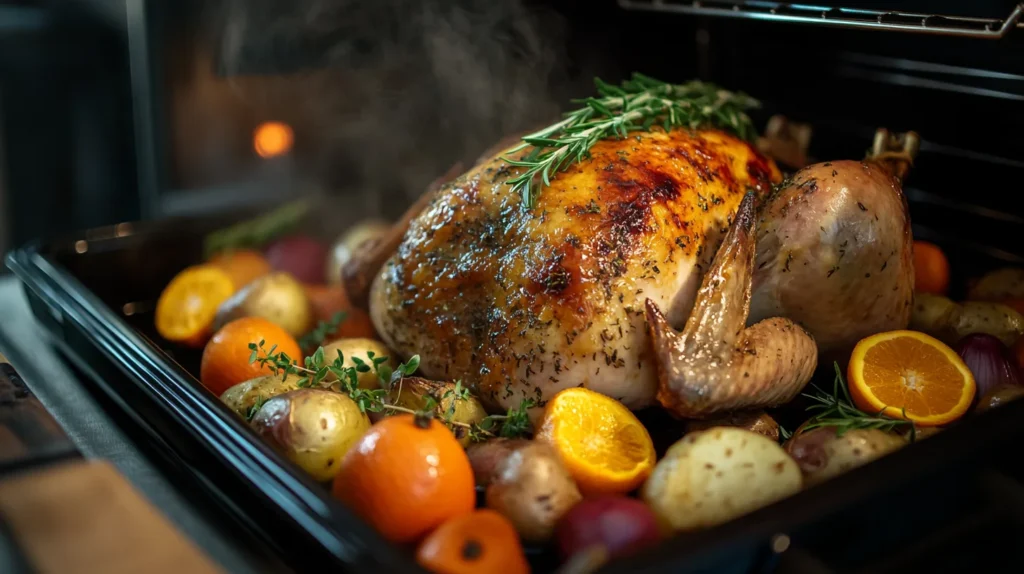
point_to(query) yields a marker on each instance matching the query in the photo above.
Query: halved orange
(907, 371)
(188, 304)
(603, 445)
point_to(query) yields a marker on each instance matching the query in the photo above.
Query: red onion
(989, 361)
(619, 524)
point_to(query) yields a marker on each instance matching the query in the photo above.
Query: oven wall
(67, 120)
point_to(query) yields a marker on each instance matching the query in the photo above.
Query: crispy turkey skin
(522, 303)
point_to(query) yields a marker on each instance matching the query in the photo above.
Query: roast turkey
(521, 303)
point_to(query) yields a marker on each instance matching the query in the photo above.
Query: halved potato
(715, 475)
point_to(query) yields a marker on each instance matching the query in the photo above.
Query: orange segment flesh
(606, 449)
(909, 370)
(188, 305)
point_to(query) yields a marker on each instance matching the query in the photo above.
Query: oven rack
(855, 18)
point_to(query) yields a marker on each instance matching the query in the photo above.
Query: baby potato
(821, 454)
(949, 321)
(347, 243)
(276, 297)
(412, 394)
(998, 320)
(754, 421)
(241, 397)
(358, 347)
(934, 315)
(999, 285)
(532, 488)
(998, 397)
(920, 433)
(713, 476)
(485, 457)
(313, 428)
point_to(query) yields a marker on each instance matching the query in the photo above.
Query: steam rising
(398, 90)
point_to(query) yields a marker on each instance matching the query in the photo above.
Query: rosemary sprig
(258, 231)
(636, 104)
(314, 370)
(837, 410)
(323, 329)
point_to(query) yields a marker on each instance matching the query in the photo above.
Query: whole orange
(406, 476)
(482, 541)
(242, 265)
(330, 299)
(226, 357)
(931, 269)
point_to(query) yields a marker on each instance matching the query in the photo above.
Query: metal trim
(854, 18)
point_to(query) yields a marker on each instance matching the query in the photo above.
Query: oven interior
(959, 90)
(380, 98)
(242, 104)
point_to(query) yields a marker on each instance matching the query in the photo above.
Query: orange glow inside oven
(272, 139)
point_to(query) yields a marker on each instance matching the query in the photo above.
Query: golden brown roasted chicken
(521, 303)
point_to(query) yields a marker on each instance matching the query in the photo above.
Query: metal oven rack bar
(982, 28)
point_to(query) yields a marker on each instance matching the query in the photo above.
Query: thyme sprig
(315, 368)
(323, 329)
(635, 105)
(837, 410)
(255, 408)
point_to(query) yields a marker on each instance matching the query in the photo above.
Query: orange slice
(898, 370)
(188, 304)
(606, 449)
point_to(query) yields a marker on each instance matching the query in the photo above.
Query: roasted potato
(243, 396)
(532, 488)
(485, 457)
(359, 348)
(313, 428)
(996, 319)
(920, 433)
(999, 285)
(712, 476)
(935, 315)
(276, 297)
(412, 394)
(754, 421)
(949, 321)
(998, 396)
(347, 243)
(821, 454)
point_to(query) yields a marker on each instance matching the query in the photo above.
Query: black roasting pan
(954, 495)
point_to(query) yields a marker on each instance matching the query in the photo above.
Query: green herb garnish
(635, 105)
(837, 410)
(314, 370)
(322, 330)
(257, 232)
(255, 408)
